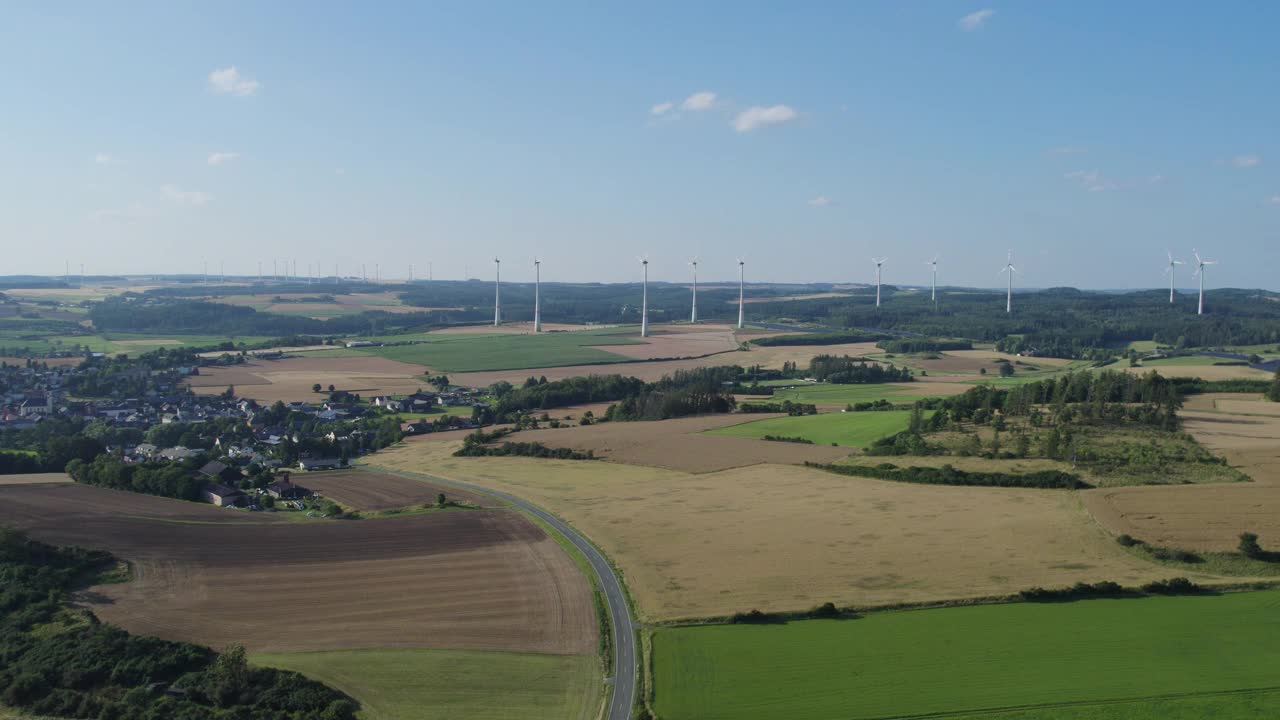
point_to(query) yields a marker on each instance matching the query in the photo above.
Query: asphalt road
(624, 634)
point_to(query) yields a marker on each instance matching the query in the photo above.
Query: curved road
(624, 634)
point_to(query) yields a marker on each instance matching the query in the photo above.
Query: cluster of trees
(786, 406)
(1273, 390)
(477, 445)
(175, 480)
(846, 370)
(1109, 589)
(922, 345)
(48, 447)
(789, 439)
(819, 338)
(686, 392)
(948, 475)
(82, 668)
(1080, 397)
(540, 394)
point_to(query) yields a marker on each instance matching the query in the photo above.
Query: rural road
(624, 635)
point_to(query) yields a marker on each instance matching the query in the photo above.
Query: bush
(1249, 546)
(1079, 591)
(948, 475)
(1172, 586)
(784, 438)
(1128, 540)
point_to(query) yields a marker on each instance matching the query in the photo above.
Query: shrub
(948, 475)
(1249, 546)
(1128, 540)
(1172, 586)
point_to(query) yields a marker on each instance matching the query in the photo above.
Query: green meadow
(462, 352)
(1137, 659)
(851, 429)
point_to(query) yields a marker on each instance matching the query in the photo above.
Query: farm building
(286, 489)
(223, 496)
(319, 463)
(217, 472)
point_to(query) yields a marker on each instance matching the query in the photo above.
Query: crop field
(1052, 660)
(112, 343)
(291, 379)
(469, 579)
(1205, 370)
(854, 429)
(679, 444)
(366, 490)
(307, 305)
(418, 684)
(780, 537)
(471, 352)
(36, 479)
(830, 394)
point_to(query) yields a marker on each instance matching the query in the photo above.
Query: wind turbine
(933, 295)
(1200, 273)
(878, 263)
(741, 306)
(537, 295)
(1009, 268)
(1170, 271)
(693, 317)
(497, 291)
(644, 298)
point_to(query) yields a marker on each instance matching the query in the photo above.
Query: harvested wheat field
(680, 445)
(51, 362)
(971, 362)
(1206, 371)
(367, 490)
(291, 379)
(680, 344)
(474, 579)
(779, 537)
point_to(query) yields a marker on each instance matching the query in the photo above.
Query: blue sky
(807, 137)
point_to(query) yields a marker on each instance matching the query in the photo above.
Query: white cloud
(661, 108)
(975, 20)
(103, 158)
(759, 116)
(1246, 161)
(192, 198)
(1091, 180)
(1065, 150)
(821, 201)
(228, 80)
(219, 158)
(1275, 199)
(699, 101)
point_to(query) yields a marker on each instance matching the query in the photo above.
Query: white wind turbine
(1009, 268)
(644, 298)
(693, 316)
(933, 295)
(497, 291)
(878, 263)
(537, 295)
(741, 305)
(1169, 270)
(1200, 264)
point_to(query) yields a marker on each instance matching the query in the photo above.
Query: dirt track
(481, 579)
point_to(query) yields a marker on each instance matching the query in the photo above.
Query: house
(318, 463)
(286, 489)
(223, 496)
(416, 428)
(217, 472)
(178, 453)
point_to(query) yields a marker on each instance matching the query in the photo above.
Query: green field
(1203, 656)
(845, 394)
(419, 684)
(1184, 360)
(853, 429)
(115, 343)
(459, 352)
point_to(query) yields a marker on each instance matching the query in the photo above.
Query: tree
(982, 371)
(1006, 369)
(315, 388)
(332, 388)
(1249, 546)
(441, 500)
(1273, 392)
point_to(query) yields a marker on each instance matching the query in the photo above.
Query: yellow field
(782, 537)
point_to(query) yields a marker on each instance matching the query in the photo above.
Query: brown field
(679, 344)
(1204, 372)
(779, 537)
(364, 490)
(679, 445)
(477, 579)
(514, 328)
(291, 379)
(970, 362)
(354, 302)
(35, 479)
(51, 362)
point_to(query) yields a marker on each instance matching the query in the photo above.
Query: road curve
(623, 696)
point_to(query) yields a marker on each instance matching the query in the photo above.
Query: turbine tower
(537, 295)
(644, 299)
(1170, 271)
(741, 306)
(693, 316)
(878, 263)
(933, 294)
(497, 291)
(1009, 268)
(1200, 264)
